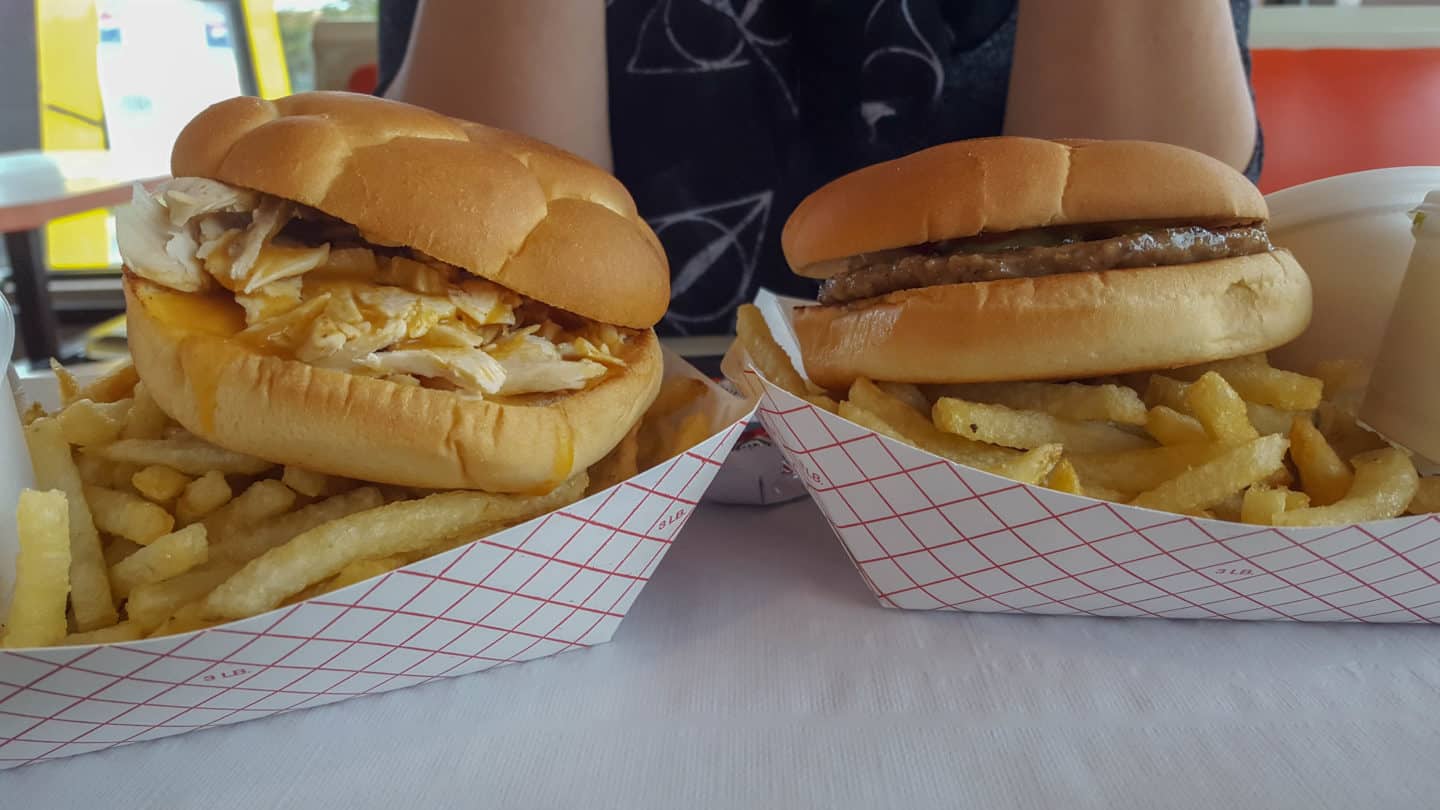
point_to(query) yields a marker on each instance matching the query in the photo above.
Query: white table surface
(755, 671)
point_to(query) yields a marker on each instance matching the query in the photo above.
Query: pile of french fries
(1234, 440)
(137, 528)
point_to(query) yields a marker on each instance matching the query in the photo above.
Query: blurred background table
(37, 187)
(756, 671)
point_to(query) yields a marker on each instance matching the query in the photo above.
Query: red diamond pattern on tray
(558, 583)
(927, 534)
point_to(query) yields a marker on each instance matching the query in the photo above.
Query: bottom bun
(1060, 327)
(360, 427)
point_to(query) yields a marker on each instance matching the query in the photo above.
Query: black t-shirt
(724, 114)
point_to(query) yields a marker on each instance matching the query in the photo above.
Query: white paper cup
(1402, 402)
(15, 472)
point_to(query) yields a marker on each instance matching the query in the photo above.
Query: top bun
(512, 209)
(994, 185)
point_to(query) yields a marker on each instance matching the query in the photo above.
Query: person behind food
(721, 115)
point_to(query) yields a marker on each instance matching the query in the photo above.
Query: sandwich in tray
(363, 334)
(1089, 318)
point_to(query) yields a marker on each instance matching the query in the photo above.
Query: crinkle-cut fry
(1212, 482)
(42, 571)
(396, 528)
(151, 604)
(116, 384)
(115, 633)
(1063, 478)
(1220, 410)
(55, 468)
(772, 361)
(190, 456)
(168, 556)
(1078, 402)
(1140, 470)
(1427, 497)
(69, 387)
(1323, 474)
(1385, 484)
(1171, 427)
(1024, 430)
(620, 464)
(909, 426)
(1260, 383)
(146, 420)
(129, 516)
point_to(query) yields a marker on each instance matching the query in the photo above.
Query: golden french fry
(1427, 497)
(150, 605)
(1140, 470)
(42, 571)
(620, 464)
(98, 471)
(907, 425)
(202, 496)
(908, 394)
(1076, 402)
(1295, 500)
(1385, 484)
(261, 536)
(124, 631)
(1268, 420)
(116, 384)
(1064, 478)
(1212, 482)
(1322, 473)
(1262, 504)
(160, 484)
(1345, 435)
(68, 386)
(32, 412)
(997, 424)
(84, 422)
(1167, 391)
(55, 469)
(771, 360)
(118, 548)
(261, 501)
(307, 483)
(168, 556)
(1258, 382)
(396, 528)
(187, 619)
(1220, 410)
(146, 420)
(1032, 466)
(128, 516)
(361, 570)
(190, 456)
(1229, 508)
(1170, 427)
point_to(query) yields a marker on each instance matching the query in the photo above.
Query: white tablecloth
(756, 671)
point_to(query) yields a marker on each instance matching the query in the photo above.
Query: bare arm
(1162, 71)
(533, 66)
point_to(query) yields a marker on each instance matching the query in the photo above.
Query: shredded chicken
(371, 310)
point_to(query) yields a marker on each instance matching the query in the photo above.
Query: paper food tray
(560, 582)
(929, 534)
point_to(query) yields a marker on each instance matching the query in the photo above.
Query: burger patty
(967, 260)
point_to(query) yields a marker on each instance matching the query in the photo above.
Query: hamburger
(372, 290)
(1011, 258)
